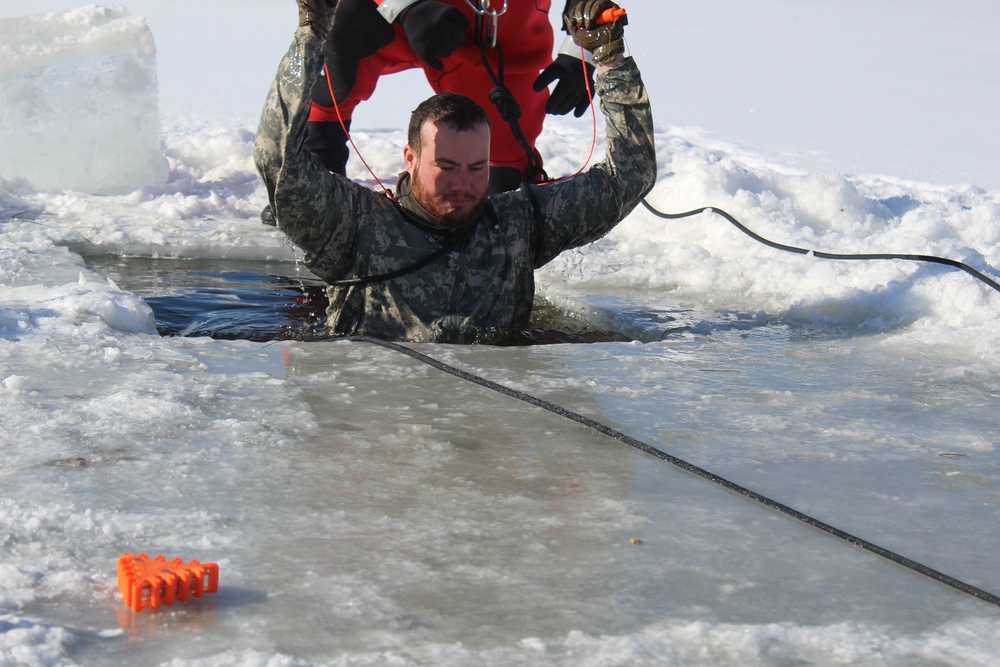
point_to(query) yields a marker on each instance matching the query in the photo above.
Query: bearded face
(449, 176)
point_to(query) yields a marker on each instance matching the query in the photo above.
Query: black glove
(359, 32)
(317, 14)
(570, 94)
(604, 40)
(434, 29)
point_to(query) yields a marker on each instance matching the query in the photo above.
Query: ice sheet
(78, 91)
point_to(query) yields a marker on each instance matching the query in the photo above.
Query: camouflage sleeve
(312, 206)
(586, 207)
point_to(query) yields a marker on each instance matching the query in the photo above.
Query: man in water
(440, 260)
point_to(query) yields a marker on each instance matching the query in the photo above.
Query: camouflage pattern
(482, 290)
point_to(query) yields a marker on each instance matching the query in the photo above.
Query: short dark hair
(456, 111)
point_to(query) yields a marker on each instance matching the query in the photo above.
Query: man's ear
(409, 158)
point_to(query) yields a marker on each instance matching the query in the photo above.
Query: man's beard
(442, 209)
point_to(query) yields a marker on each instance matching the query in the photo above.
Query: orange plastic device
(150, 583)
(610, 15)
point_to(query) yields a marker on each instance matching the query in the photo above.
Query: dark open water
(264, 301)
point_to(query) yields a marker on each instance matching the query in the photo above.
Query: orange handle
(610, 15)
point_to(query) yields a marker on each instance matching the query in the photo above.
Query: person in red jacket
(497, 53)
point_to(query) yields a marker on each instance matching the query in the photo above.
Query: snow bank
(78, 90)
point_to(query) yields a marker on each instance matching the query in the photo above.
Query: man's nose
(461, 179)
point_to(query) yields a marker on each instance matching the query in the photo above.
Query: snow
(368, 509)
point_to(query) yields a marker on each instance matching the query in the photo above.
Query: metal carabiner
(484, 8)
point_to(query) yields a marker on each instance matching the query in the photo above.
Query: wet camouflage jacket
(483, 287)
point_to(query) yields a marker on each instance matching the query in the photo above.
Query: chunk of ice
(78, 101)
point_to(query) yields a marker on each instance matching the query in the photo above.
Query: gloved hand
(571, 91)
(358, 32)
(317, 14)
(604, 40)
(434, 29)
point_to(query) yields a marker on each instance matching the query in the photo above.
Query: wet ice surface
(362, 504)
(366, 507)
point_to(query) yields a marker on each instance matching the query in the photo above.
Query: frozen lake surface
(366, 508)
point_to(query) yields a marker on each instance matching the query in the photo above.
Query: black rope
(824, 255)
(690, 468)
(506, 103)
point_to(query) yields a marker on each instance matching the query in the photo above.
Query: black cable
(690, 468)
(824, 255)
